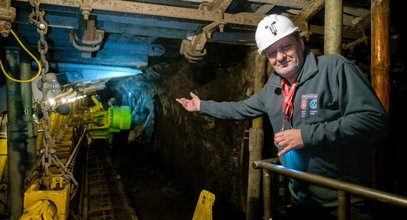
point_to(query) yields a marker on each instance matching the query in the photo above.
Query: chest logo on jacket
(309, 105)
(313, 104)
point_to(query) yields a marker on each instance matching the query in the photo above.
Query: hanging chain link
(48, 156)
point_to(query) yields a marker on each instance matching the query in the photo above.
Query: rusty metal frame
(248, 19)
(159, 10)
(287, 3)
(343, 188)
(7, 15)
(194, 49)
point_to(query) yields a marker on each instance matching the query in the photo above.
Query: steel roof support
(16, 136)
(160, 10)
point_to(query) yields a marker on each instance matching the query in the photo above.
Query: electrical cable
(22, 45)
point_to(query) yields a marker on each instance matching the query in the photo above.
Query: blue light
(293, 160)
(93, 73)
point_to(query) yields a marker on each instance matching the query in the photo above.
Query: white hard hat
(271, 29)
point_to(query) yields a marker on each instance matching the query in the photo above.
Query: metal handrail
(341, 186)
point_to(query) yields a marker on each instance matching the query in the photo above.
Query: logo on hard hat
(272, 28)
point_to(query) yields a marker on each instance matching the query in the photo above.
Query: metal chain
(48, 156)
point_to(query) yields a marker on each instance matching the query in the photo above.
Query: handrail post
(266, 195)
(342, 187)
(343, 205)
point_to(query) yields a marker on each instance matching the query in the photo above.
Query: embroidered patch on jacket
(309, 105)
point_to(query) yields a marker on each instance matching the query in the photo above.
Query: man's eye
(271, 53)
(286, 47)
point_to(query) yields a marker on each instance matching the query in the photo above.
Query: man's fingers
(283, 151)
(279, 134)
(191, 105)
(279, 140)
(180, 101)
(193, 95)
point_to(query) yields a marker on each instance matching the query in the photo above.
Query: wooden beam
(309, 11)
(380, 61)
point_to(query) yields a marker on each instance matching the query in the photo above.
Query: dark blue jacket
(338, 113)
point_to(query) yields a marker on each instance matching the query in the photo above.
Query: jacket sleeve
(361, 114)
(249, 108)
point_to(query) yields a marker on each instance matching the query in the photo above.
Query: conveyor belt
(103, 193)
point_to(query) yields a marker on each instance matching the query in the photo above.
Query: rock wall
(207, 153)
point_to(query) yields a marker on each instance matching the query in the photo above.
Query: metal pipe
(267, 189)
(343, 205)
(75, 151)
(351, 188)
(333, 27)
(26, 97)
(266, 194)
(16, 136)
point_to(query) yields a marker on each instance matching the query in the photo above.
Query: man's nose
(281, 55)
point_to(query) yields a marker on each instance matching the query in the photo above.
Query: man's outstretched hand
(191, 105)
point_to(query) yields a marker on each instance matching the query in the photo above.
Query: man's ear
(302, 44)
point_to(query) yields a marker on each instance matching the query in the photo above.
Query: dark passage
(153, 190)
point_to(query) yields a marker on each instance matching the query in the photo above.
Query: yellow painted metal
(40, 135)
(42, 210)
(101, 123)
(65, 141)
(57, 122)
(54, 118)
(3, 158)
(57, 182)
(203, 209)
(57, 202)
(98, 105)
(54, 203)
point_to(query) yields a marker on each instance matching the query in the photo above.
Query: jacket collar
(309, 69)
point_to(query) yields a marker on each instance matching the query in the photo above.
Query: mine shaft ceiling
(129, 33)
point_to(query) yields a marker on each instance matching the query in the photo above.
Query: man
(322, 109)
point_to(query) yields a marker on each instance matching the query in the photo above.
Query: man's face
(286, 56)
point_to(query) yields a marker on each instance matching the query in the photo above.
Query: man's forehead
(284, 40)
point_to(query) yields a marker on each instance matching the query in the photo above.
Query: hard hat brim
(272, 41)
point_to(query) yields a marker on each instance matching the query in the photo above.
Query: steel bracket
(194, 49)
(5, 27)
(86, 8)
(7, 15)
(87, 39)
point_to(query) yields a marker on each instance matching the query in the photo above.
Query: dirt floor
(152, 190)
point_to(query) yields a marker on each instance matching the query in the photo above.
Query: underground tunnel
(91, 128)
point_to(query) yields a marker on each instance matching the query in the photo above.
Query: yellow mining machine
(53, 184)
(40, 145)
(50, 183)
